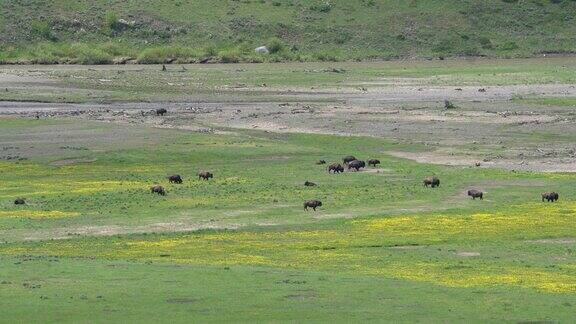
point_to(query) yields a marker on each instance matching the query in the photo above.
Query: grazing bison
(476, 194)
(373, 162)
(175, 178)
(356, 165)
(19, 201)
(205, 175)
(550, 196)
(336, 168)
(158, 190)
(309, 184)
(432, 182)
(348, 159)
(320, 162)
(161, 112)
(312, 204)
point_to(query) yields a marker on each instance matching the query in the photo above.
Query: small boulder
(262, 50)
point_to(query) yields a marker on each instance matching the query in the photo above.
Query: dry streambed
(486, 126)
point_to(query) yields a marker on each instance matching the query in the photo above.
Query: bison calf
(175, 179)
(335, 168)
(158, 190)
(432, 182)
(205, 175)
(476, 194)
(373, 162)
(312, 204)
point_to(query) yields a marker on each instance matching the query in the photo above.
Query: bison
(432, 182)
(20, 201)
(312, 204)
(357, 165)
(158, 190)
(335, 168)
(175, 179)
(205, 175)
(309, 184)
(320, 162)
(373, 162)
(348, 159)
(161, 112)
(550, 196)
(476, 194)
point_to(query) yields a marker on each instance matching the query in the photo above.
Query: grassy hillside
(66, 31)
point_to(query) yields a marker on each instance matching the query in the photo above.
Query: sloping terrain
(66, 31)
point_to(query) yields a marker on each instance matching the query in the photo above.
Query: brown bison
(356, 165)
(205, 175)
(20, 201)
(476, 194)
(335, 168)
(432, 182)
(309, 184)
(161, 112)
(550, 196)
(312, 204)
(158, 190)
(175, 179)
(373, 162)
(320, 162)
(348, 159)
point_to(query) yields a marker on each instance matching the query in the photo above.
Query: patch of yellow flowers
(39, 214)
(365, 247)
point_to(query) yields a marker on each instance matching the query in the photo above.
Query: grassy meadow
(93, 244)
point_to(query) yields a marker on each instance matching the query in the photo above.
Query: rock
(262, 50)
(126, 23)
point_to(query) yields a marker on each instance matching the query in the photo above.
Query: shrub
(448, 104)
(43, 30)
(324, 7)
(275, 45)
(230, 56)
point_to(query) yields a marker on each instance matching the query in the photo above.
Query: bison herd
(177, 179)
(351, 162)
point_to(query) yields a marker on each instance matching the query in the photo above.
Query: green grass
(382, 248)
(556, 102)
(306, 30)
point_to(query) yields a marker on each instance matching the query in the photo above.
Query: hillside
(147, 31)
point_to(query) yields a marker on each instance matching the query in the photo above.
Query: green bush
(42, 30)
(230, 56)
(275, 45)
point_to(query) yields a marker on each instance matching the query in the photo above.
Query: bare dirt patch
(468, 254)
(555, 241)
(66, 162)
